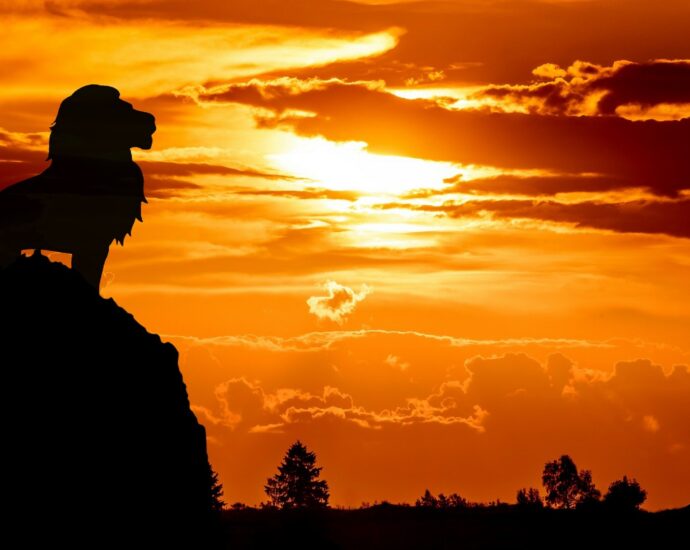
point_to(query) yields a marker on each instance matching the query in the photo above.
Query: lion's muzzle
(145, 128)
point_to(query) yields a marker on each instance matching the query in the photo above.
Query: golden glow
(449, 97)
(459, 98)
(268, 200)
(146, 59)
(351, 166)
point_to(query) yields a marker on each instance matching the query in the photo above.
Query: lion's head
(95, 122)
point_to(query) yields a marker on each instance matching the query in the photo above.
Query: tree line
(297, 485)
(565, 487)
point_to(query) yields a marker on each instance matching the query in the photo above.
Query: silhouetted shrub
(453, 500)
(427, 500)
(625, 494)
(529, 498)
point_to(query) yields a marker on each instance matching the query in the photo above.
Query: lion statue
(91, 193)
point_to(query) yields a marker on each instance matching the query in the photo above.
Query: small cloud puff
(339, 303)
(395, 361)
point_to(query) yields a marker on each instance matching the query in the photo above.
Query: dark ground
(394, 527)
(100, 447)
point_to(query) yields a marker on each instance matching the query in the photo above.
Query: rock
(101, 445)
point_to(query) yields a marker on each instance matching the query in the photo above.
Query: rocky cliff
(101, 447)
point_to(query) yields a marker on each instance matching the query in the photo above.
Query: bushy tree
(589, 495)
(565, 487)
(529, 498)
(625, 494)
(296, 485)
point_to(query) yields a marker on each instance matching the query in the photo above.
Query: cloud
(166, 179)
(650, 423)
(531, 185)
(648, 154)
(21, 156)
(338, 304)
(150, 61)
(246, 405)
(508, 405)
(396, 362)
(323, 340)
(162, 168)
(485, 50)
(241, 402)
(590, 89)
(306, 193)
(643, 216)
(281, 94)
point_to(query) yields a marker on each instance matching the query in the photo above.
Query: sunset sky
(440, 242)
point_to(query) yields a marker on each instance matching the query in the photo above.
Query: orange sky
(439, 242)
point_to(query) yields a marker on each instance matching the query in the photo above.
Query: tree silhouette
(428, 500)
(456, 501)
(215, 491)
(565, 487)
(625, 494)
(529, 498)
(296, 485)
(588, 493)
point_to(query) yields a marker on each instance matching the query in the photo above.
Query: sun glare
(349, 166)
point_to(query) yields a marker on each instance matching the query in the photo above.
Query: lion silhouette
(91, 193)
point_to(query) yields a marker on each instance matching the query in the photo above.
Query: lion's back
(70, 209)
(18, 206)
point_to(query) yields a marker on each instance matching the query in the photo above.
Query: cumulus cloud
(511, 393)
(497, 392)
(589, 89)
(340, 302)
(245, 404)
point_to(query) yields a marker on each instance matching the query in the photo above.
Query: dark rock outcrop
(101, 448)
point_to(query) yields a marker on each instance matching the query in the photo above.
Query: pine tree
(296, 485)
(215, 491)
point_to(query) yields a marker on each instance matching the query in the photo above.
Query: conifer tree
(296, 485)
